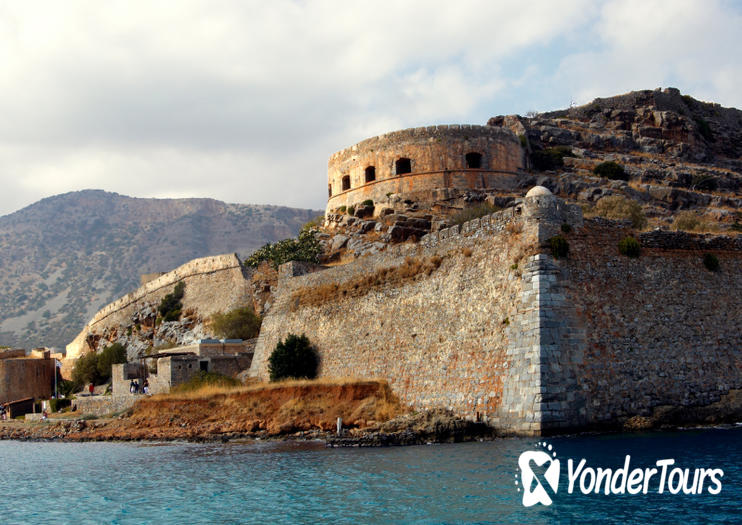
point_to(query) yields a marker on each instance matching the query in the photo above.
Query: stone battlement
(414, 163)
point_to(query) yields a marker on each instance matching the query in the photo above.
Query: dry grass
(411, 269)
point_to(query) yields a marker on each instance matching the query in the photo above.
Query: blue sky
(244, 101)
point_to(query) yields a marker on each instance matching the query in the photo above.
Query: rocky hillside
(678, 154)
(66, 256)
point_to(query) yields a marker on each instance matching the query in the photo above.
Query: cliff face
(65, 257)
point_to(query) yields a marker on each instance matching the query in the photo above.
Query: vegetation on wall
(240, 323)
(550, 158)
(559, 247)
(629, 247)
(303, 248)
(295, 357)
(206, 379)
(170, 307)
(711, 262)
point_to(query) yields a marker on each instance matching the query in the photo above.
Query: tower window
(370, 174)
(473, 160)
(346, 182)
(402, 166)
(329, 190)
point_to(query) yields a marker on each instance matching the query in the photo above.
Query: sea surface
(290, 482)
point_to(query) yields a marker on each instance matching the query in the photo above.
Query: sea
(304, 482)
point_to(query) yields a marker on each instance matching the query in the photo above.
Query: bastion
(420, 164)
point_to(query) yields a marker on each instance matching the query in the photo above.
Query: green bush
(559, 247)
(293, 358)
(711, 262)
(368, 202)
(523, 141)
(351, 210)
(342, 209)
(610, 170)
(629, 247)
(240, 323)
(85, 371)
(473, 212)
(303, 248)
(65, 387)
(550, 158)
(58, 404)
(111, 355)
(314, 224)
(203, 379)
(170, 307)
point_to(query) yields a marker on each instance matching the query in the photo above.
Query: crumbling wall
(26, 377)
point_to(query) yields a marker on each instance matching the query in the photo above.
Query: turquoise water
(306, 483)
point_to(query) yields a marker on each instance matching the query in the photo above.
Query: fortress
(421, 164)
(483, 318)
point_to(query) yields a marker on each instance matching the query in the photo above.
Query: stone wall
(26, 377)
(104, 405)
(437, 156)
(532, 344)
(441, 340)
(661, 329)
(213, 284)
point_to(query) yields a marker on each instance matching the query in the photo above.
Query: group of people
(134, 387)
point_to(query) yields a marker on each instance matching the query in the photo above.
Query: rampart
(418, 162)
(26, 377)
(534, 345)
(212, 284)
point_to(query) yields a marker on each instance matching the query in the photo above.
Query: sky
(245, 101)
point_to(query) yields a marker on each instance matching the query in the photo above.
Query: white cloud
(244, 101)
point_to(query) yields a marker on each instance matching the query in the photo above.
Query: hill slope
(64, 257)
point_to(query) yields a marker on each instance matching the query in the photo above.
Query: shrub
(559, 246)
(686, 221)
(550, 158)
(170, 307)
(368, 202)
(342, 209)
(65, 387)
(314, 223)
(86, 370)
(203, 379)
(240, 323)
(473, 212)
(629, 247)
(617, 207)
(711, 262)
(111, 355)
(351, 210)
(610, 170)
(303, 248)
(523, 141)
(55, 405)
(293, 358)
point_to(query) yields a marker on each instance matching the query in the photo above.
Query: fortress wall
(437, 156)
(212, 284)
(441, 340)
(26, 377)
(661, 330)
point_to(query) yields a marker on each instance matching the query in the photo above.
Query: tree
(293, 358)
(170, 307)
(303, 248)
(86, 370)
(240, 323)
(111, 355)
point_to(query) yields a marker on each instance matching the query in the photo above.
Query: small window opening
(204, 366)
(473, 160)
(329, 190)
(370, 174)
(346, 182)
(402, 166)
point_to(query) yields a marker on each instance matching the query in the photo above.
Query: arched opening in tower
(473, 160)
(402, 166)
(346, 182)
(370, 174)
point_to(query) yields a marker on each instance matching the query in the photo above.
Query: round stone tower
(420, 164)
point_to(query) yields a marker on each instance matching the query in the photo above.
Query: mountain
(64, 257)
